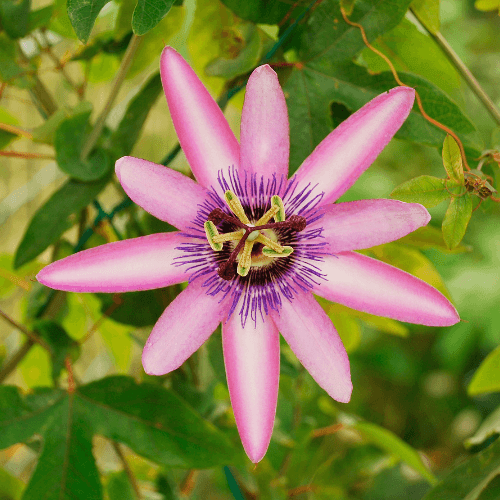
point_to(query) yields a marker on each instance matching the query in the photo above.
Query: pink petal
(252, 359)
(184, 326)
(369, 285)
(265, 135)
(168, 195)
(204, 134)
(366, 223)
(312, 337)
(352, 147)
(124, 266)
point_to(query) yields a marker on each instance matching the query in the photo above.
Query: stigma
(247, 234)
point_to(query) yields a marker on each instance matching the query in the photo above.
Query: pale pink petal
(123, 266)
(352, 147)
(168, 195)
(355, 225)
(184, 326)
(312, 337)
(265, 136)
(252, 359)
(204, 134)
(369, 285)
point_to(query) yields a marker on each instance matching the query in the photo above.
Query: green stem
(119, 79)
(466, 74)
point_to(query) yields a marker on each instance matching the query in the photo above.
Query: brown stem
(27, 156)
(32, 336)
(127, 469)
(189, 482)
(16, 130)
(11, 365)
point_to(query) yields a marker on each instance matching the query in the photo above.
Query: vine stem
(466, 74)
(35, 338)
(117, 83)
(399, 82)
(16, 130)
(127, 469)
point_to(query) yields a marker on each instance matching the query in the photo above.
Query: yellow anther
(268, 215)
(234, 204)
(269, 252)
(211, 232)
(269, 243)
(245, 261)
(280, 214)
(234, 236)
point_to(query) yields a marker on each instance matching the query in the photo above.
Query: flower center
(248, 234)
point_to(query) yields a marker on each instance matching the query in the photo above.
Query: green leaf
(9, 69)
(15, 15)
(128, 131)
(456, 219)
(488, 430)
(151, 420)
(11, 488)
(82, 14)
(46, 132)
(68, 143)
(153, 42)
(452, 160)
(61, 345)
(487, 376)
(138, 308)
(328, 37)
(6, 137)
(263, 11)
(427, 12)
(253, 45)
(312, 88)
(431, 237)
(52, 219)
(39, 18)
(425, 189)
(391, 443)
(148, 14)
(119, 487)
(487, 5)
(471, 478)
(154, 422)
(428, 61)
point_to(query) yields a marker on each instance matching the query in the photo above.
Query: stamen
(269, 243)
(249, 234)
(235, 206)
(277, 202)
(211, 232)
(234, 236)
(269, 252)
(245, 261)
(268, 215)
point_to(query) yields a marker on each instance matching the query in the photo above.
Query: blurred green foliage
(419, 392)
